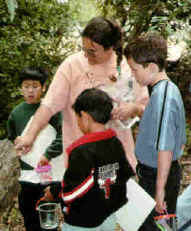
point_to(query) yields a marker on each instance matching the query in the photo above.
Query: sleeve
(11, 128)
(56, 147)
(55, 190)
(165, 114)
(166, 139)
(57, 95)
(126, 170)
(183, 124)
(78, 178)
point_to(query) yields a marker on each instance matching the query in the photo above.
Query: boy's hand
(48, 195)
(23, 144)
(43, 161)
(160, 203)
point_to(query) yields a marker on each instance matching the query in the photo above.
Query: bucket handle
(164, 216)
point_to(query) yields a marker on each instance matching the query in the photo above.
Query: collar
(91, 137)
(150, 88)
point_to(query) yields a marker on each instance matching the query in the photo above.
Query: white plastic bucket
(48, 213)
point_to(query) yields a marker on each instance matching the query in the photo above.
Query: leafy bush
(137, 16)
(30, 37)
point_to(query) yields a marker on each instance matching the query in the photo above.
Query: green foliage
(187, 149)
(36, 33)
(139, 16)
(33, 37)
(83, 10)
(179, 72)
(12, 5)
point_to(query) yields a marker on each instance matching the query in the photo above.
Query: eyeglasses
(30, 87)
(89, 51)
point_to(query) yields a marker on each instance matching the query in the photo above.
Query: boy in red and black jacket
(94, 184)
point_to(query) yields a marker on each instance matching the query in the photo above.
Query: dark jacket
(94, 184)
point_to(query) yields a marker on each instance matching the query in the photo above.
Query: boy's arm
(75, 179)
(52, 192)
(78, 178)
(55, 191)
(56, 147)
(128, 170)
(164, 163)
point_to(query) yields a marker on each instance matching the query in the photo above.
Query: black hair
(107, 33)
(148, 48)
(33, 73)
(97, 103)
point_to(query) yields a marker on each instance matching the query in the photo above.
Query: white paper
(43, 140)
(132, 215)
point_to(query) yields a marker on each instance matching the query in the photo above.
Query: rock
(9, 173)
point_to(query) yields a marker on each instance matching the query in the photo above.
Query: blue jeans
(183, 210)
(108, 225)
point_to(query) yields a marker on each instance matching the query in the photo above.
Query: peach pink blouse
(72, 77)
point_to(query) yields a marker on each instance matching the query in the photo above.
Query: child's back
(94, 184)
(95, 179)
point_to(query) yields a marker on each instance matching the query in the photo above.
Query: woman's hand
(23, 144)
(124, 111)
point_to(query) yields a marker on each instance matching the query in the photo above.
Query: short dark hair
(148, 48)
(96, 103)
(33, 73)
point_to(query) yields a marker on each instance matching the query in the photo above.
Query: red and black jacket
(94, 184)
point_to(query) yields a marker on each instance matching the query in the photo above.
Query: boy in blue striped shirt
(162, 136)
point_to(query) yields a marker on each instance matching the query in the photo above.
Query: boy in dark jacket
(94, 184)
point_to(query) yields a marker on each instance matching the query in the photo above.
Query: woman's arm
(40, 120)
